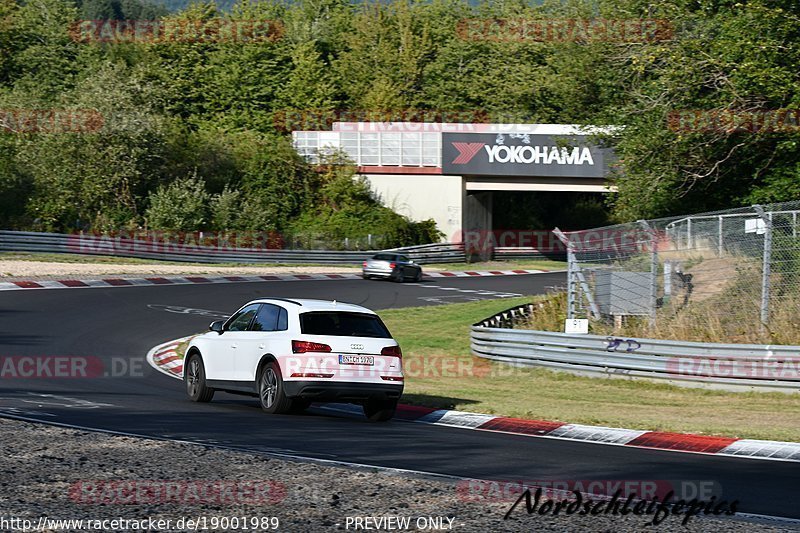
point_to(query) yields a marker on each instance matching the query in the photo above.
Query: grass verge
(442, 373)
(517, 264)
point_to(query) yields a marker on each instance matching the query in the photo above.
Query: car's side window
(241, 320)
(402, 258)
(269, 318)
(283, 320)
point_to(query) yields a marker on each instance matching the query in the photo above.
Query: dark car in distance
(391, 266)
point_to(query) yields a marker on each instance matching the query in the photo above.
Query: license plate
(367, 360)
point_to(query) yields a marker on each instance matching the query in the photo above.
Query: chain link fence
(726, 275)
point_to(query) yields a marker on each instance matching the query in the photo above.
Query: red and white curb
(165, 359)
(679, 442)
(188, 280)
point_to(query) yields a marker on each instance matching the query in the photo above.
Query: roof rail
(282, 300)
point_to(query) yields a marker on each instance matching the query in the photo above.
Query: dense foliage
(192, 139)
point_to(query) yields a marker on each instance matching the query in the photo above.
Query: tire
(271, 393)
(194, 377)
(380, 410)
(418, 276)
(397, 276)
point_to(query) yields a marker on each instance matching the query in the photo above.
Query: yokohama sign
(516, 154)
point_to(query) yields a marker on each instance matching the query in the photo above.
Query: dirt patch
(712, 276)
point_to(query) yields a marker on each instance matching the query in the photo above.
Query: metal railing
(681, 233)
(25, 241)
(737, 367)
(741, 265)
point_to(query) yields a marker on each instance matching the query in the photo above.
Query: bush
(225, 209)
(345, 208)
(180, 206)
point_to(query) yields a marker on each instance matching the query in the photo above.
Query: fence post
(572, 285)
(574, 278)
(653, 271)
(765, 267)
(719, 237)
(689, 233)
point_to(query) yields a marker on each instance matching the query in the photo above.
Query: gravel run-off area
(18, 269)
(62, 473)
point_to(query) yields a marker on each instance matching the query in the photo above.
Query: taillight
(364, 263)
(392, 351)
(392, 265)
(307, 346)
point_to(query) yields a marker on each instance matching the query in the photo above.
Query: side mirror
(216, 326)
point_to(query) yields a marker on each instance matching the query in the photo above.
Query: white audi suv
(291, 352)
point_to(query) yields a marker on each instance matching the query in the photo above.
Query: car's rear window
(343, 324)
(384, 257)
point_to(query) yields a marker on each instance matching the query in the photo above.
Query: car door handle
(260, 346)
(234, 346)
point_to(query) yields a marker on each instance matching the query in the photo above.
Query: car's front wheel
(195, 378)
(271, 392)
(418, 276)
(380, 410)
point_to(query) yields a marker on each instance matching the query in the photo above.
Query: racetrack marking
(469, 295)
(449, 299)
(188, 311)
(596, 434)
(64, 401)
(165, 359)
(778, 450)
(455, 419)
(13, 411)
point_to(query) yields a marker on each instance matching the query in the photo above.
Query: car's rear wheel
(195, 379)
(271, 393)
(380, 410)
(397, 275)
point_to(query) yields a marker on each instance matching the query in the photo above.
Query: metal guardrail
(739, 367)
(25, 241)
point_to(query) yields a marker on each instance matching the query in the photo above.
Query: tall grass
(732, 316)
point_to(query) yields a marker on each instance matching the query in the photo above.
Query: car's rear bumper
(330, 391)
(377, 272)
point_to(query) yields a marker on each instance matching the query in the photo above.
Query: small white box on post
(576, 326)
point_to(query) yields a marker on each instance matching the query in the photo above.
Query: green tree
(180, 206)
(307, 86)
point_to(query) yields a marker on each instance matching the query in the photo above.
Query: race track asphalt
(119, 326)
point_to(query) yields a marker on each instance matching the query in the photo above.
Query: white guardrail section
(738, 367)
(25, 241)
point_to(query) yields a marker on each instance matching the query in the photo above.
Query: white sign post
(576, 326)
